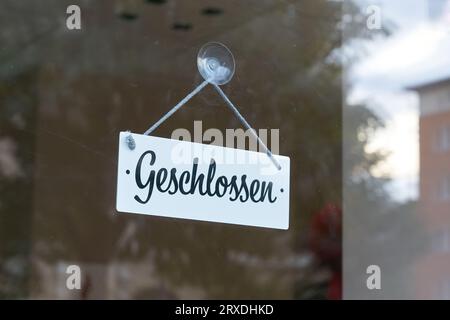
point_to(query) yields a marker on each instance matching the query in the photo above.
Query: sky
(417, 52)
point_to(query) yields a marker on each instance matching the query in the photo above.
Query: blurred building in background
(434, 268)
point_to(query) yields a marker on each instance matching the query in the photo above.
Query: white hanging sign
(179, 179)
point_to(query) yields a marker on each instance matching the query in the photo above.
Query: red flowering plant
(326, 245)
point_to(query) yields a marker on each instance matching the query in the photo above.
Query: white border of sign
(262, 202)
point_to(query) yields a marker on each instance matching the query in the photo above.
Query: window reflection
(66, 94)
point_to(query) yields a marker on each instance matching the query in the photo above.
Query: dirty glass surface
(66, 94)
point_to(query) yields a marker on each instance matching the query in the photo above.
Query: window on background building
(444, 289)
(444, 102)
(443, 192)
(443, 138)
(440, 241)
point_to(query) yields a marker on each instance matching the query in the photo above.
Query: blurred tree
(17, 116)
(376, 227)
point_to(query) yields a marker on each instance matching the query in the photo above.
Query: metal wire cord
(229, 104)
(174, 109)
(247, 125)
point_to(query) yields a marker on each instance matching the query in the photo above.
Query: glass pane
(65, 94)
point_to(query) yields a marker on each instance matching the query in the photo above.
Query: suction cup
(215, 63)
